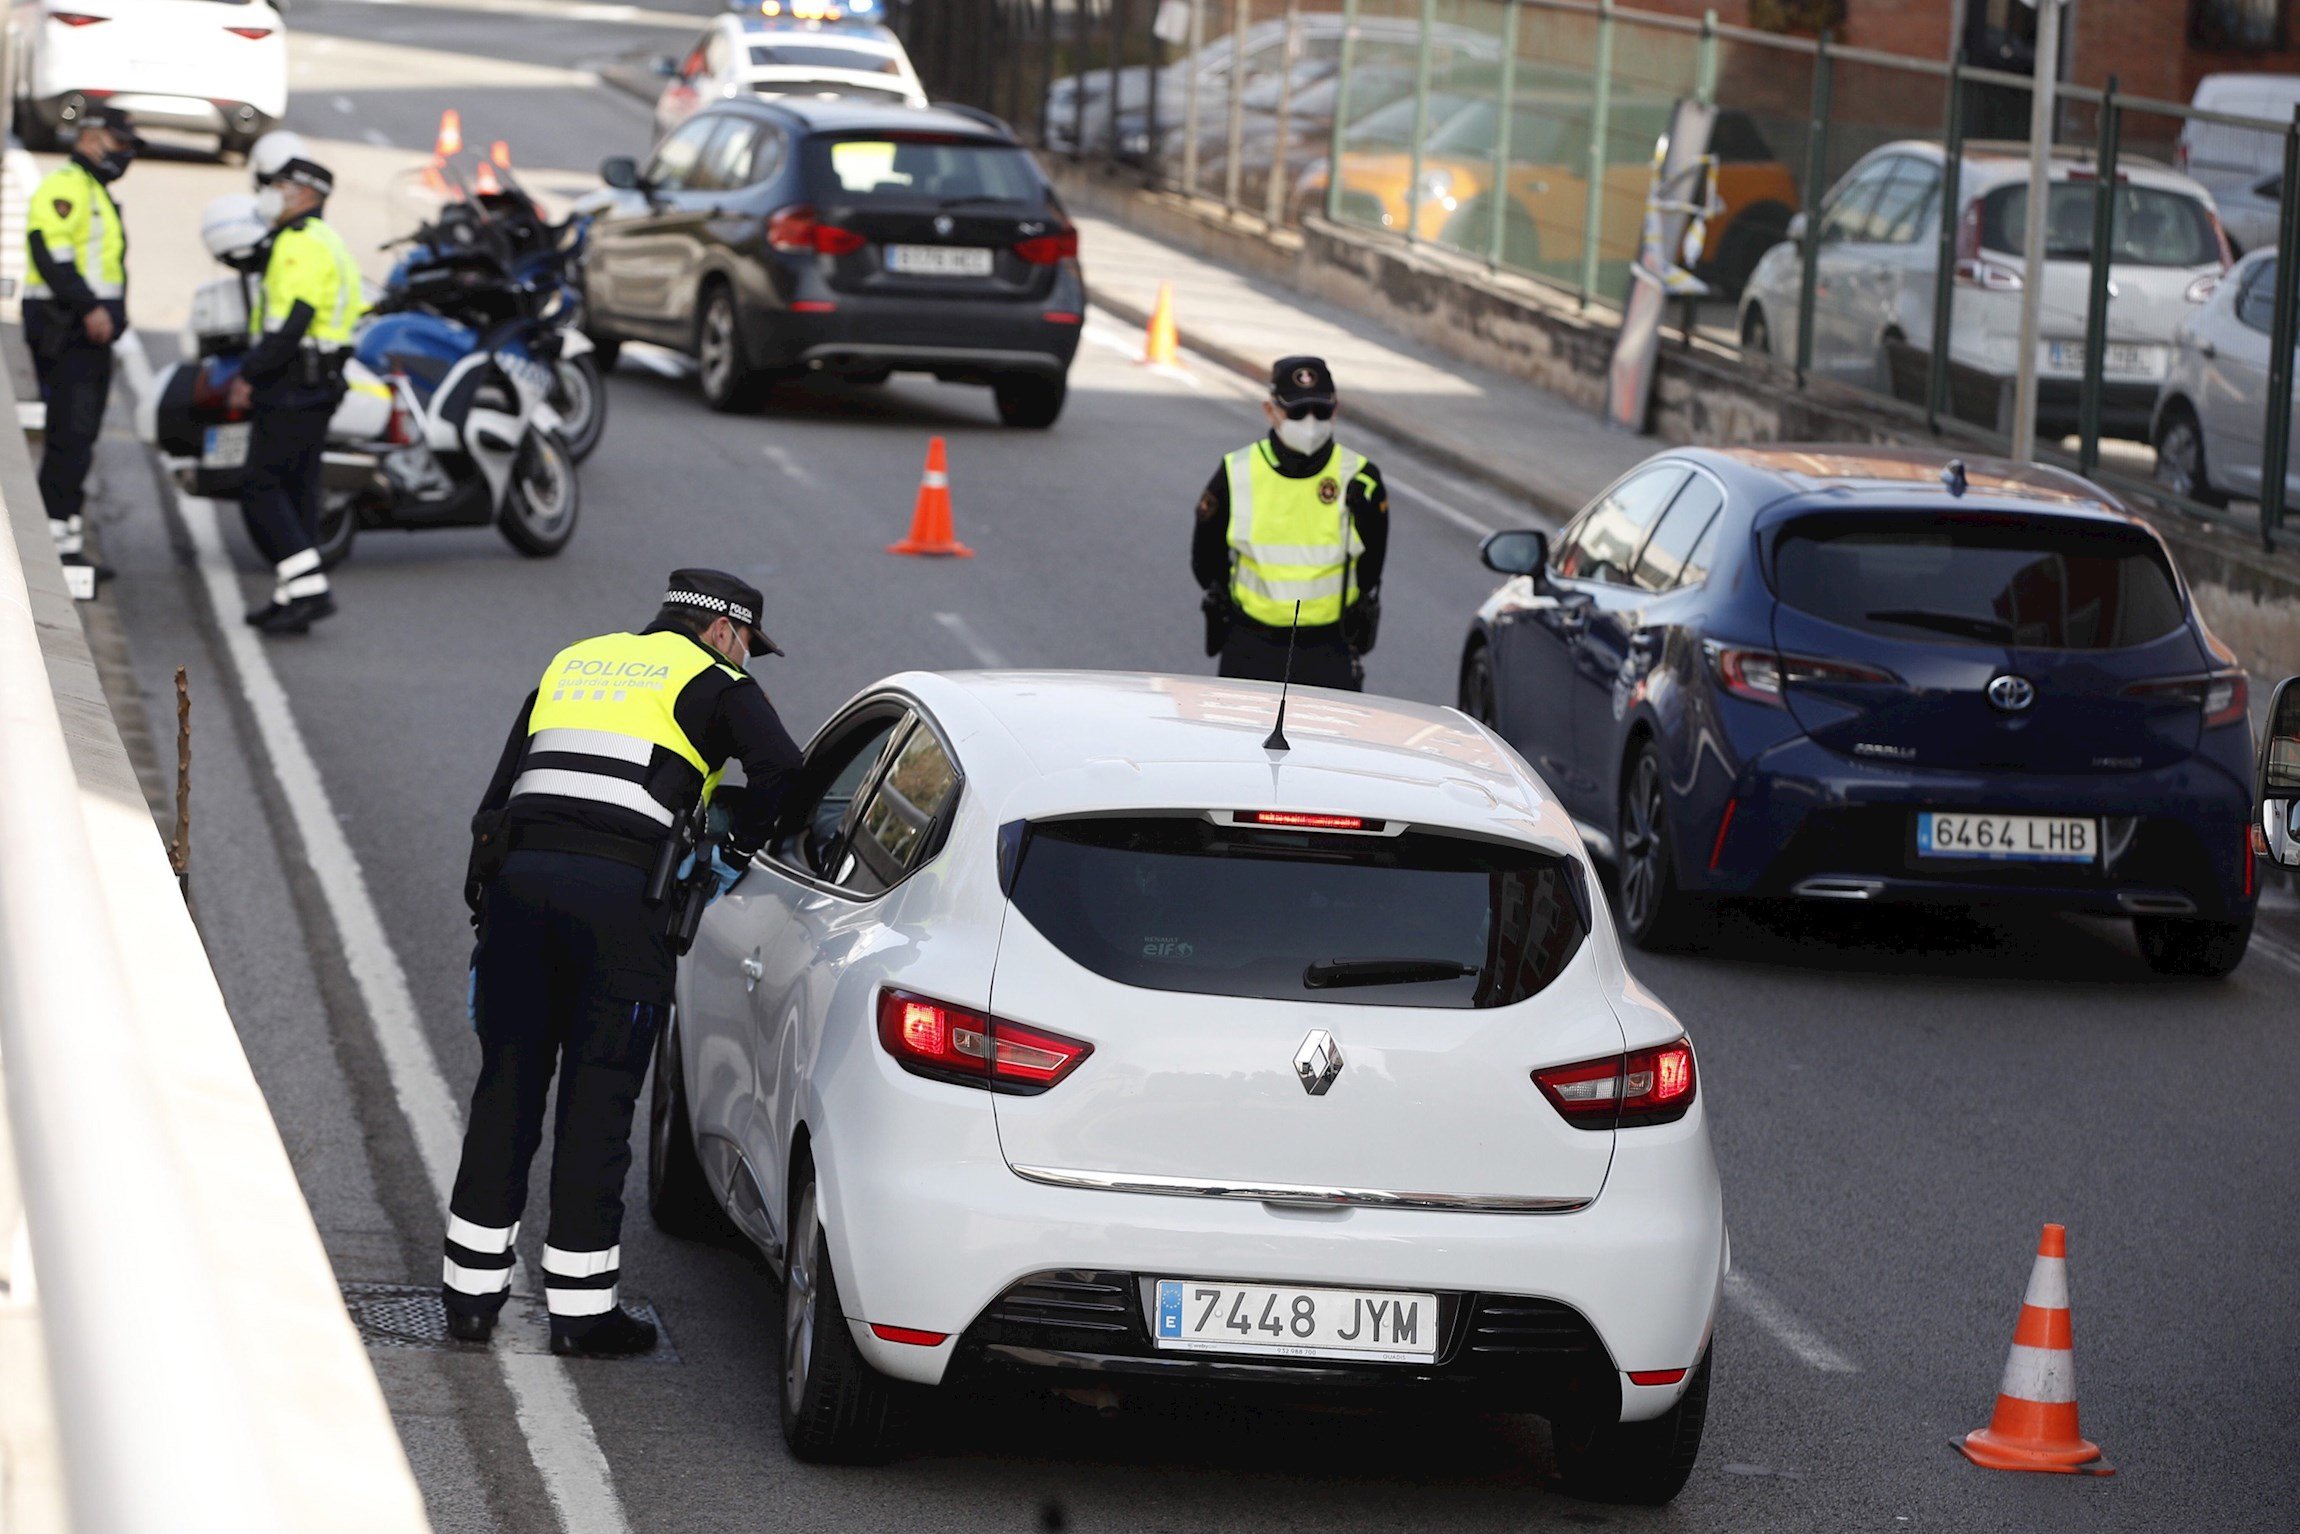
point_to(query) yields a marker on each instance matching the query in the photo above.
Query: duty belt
(593, 844)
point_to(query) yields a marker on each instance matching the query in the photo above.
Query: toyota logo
(1318, 1062)
(944, 224)
(2012, 694)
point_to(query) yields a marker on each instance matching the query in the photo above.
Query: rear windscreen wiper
(1947, 623)
(974, 197)
(1339, 972)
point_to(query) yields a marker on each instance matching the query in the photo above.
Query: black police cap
(720, 595)
(113, 121)
(1301, 381)
(307, 173)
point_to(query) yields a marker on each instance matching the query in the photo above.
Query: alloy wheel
(2177, 458)
(1641, 850)
(800, 1287)
(717, 359)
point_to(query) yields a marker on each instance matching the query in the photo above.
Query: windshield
(1423, 919)
(899, 167)
(2152, 226)
(869, 61)
(2031, 583)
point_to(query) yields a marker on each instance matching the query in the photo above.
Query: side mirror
(1798, 225)
(2278, 787)
(1520, 551)
(620, 172)
(664, 64)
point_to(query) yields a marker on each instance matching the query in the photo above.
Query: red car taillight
(957, 1044)
(2222, 695)
(1644, 1086)
(1975, 268)
(77, 18)
(1049, 249)
(1763, 676)
(796, 228)
(252, 34)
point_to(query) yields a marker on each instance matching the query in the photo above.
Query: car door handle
(2207, 350)
(753, 972)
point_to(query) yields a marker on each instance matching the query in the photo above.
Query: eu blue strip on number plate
(1170, 1307)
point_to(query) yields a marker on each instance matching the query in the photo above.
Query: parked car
(1880, 249)
(2213, 405)
(770, 239)
(2277, 787)
(2243, 168)
(1064, 1032)
(833, 52)
(192, 65)
(1877, 675)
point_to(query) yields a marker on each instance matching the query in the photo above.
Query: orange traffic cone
(1158, 349)
(930, 526)
(450, 140)
(2034, 1427)
(484, 182)
(500, 153)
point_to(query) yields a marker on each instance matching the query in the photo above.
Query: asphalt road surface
(1898, 1101)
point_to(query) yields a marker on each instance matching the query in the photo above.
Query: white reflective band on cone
(935, 479)
(465, 1280)
(2048, 1284)
(579, 1302)
(481, 1238)
(561, 1264)
(2045, 1375)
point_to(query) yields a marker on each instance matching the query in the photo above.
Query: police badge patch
(1329, 490)
(1305, 378)
(63, 206)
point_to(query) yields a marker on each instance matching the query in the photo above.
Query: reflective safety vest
(310, 262)
(1292, 539)
(603, 726)
(77, 219)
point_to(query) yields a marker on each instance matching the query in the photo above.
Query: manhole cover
(412, 1316)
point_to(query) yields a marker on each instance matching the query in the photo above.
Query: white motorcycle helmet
(234, 231)
(272, 152)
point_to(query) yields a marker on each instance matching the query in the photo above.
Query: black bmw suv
(771, 239)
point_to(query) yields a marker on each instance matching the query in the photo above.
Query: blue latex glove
(727, 874)
(471, 998)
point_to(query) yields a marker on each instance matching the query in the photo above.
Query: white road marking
(781, 458)
(377, 137)
(2276, 951)
(343, 104)
(984, 653)
(656, 360)
(1785, 1327)
(550, 1414)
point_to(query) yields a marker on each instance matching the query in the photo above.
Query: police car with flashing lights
(770, 48)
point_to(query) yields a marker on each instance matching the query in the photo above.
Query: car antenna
(1953, 476)
(1277, 740)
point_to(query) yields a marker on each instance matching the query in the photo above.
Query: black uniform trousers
(1322, 657)
(76, 381)
(573, 974)
(279, 490)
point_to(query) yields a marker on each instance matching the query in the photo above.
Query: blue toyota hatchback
(1860, 674)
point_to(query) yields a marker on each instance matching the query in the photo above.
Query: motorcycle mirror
(620, 172)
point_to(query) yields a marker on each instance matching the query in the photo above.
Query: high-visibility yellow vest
(1292, 539)
(310, 262)
(603, 727)
(77, 219)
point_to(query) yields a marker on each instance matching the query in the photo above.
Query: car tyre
(678, 1193)
(1478, 699)
(730, 385)
(837, 1409)
(2192, 945)
(1656, 913)
(338, 526)
(541, 503)
(1031, 401)
(1646, 1463)
(2180, 456)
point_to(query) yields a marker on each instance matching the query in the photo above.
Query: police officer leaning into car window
(624, 737)
(75, 307)
(1296, 517)
(292, 380)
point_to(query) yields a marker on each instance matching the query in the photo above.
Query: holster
(1361, 625)
(490, 845)
(1218, 611)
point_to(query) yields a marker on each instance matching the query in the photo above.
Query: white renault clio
(1069, 1028)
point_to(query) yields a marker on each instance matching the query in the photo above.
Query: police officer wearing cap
(623, 738)
(293, 380)
(1296, 517)
(75, 307)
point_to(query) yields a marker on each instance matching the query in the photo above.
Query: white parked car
(2212, 410)
(2243, 168)
(206, 66)
(1880, 248)
(1067, 1031)
(836, 50)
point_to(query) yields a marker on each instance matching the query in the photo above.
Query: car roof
(2214, 90)
(1991, 163)
(874, 39)
(1081, 742)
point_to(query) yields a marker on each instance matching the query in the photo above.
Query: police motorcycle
(476, 444)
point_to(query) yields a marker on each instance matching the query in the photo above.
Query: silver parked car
(1879, 250)
(2241, 167)
(2209, 414)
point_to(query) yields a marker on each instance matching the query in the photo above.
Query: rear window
(2026, 583)
(914, 167)
(1423, 919)
(2152, 226)
(822, 56)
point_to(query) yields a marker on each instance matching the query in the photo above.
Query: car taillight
(1973, 267)
(1761, 676)
(796, 228)
(77, 18)
(252, 34)
(1048, 249)
(1644, 1086)
(957, 1044)
(2222, 696)
(1301, 821)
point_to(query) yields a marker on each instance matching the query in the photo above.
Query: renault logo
(2012, 694)
(944, 224)
(1318, 1062)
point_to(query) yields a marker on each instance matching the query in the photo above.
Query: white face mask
(271, 202)
(1306, 435)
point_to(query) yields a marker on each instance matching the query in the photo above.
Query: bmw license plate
(2008, 838)
(1208, 1317)
(938, 260)
(225, 447)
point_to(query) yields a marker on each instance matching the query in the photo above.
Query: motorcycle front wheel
(579, 394)
(338, 525)
(538, 515)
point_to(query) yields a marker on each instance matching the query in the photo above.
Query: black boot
(617, 1334)
(465, 1324)
(296, 616)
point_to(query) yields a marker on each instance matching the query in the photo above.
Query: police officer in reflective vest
(626, 734)
(293, 380)
(75, 307)
(1296, 517)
